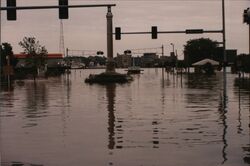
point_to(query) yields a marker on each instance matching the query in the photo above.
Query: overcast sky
(86, 27)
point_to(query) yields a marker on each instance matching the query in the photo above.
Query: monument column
(110, 62)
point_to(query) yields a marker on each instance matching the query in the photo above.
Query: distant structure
(149, 59)
(123, 60)
(53, 60)
(61, 43)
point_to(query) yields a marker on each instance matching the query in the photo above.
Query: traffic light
(63, 11)
(154, 32)
(99, 52)
(127, 52)
(11, 13)
(117, 33)
(246, 17)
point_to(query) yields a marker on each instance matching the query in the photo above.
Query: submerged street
(156, 121)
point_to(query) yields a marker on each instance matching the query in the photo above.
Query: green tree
(198, 49)
(36, 54)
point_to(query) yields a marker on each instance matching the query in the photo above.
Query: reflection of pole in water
(247, 158)
(110, 89)
(155, 134)
(246, 149)
(173, 80)
(239, 117)
(223, 111)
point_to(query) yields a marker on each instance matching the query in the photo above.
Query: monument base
(108, 77)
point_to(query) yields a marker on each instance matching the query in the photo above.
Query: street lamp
(176, 63)
(172, 44)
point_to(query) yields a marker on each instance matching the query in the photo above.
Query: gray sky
(86, 28)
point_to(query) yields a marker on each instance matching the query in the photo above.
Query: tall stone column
(110, 62)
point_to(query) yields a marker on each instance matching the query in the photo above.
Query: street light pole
(175, 55)
(173, 47)
(249, 36)
(162, 62)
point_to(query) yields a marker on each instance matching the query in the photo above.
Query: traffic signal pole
(0, 47)
(109, 16)
(224, 35)
(224, 51)
(56, 7)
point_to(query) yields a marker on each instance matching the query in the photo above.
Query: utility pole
(162, 62)
(224, 35)
(224, 50)
(246, 19)
(67, 62)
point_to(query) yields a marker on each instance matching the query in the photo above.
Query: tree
(35, 53)
(6, 50)
(198, 49)
(243, 63)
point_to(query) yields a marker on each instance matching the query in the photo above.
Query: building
(149, 59)
(168, 60)
(231, 55)
(53, 60)
(123, 60)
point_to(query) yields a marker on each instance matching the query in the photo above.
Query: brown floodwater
(152, 121)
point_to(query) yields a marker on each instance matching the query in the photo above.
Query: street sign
(8, 70)
(194, 31)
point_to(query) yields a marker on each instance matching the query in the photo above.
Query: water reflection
(202, 91)
(195, 81)
(147, 120)
(223, 113)
(242, 83)
(14, 163)
(36, 102)
(243, 86)
(110, 92)
(156, 133)
(240, 129)
(203, 95)
(6, 107)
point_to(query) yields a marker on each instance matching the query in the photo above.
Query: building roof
(49, 56)
(205, 61)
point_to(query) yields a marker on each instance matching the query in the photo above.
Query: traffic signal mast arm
(54, 7)
(63, 8)
(154, 31)
(149, 32)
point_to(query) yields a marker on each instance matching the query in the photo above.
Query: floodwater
(175, 121)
